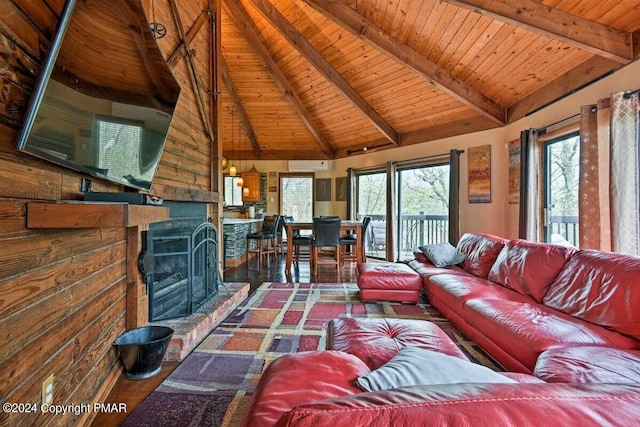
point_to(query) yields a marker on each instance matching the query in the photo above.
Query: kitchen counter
(239, 220)
(235, 232)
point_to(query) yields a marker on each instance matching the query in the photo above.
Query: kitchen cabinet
(252, 181)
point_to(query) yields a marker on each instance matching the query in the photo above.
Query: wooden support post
(137, 296)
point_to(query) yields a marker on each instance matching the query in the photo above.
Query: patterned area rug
(213, 385)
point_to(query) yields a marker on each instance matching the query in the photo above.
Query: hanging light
(245, 190)
(240, 181)
(232, 170)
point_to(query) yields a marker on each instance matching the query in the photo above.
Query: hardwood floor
(134, 392)
(300, 273)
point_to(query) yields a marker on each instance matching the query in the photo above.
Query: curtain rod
(417, 159)
(628, 94)
(543, 129)
(429, 157)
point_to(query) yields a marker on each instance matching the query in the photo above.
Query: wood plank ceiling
(321, 79)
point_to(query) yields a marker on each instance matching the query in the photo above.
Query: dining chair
(299, 240)
(279, 235)
(326, 233)
(350, 240)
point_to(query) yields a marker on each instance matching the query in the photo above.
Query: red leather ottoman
(376, 340)
(388, 281)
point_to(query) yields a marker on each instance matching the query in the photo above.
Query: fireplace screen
(179, 264)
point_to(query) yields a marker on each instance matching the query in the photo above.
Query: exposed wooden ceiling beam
(636, 44)
(306, 49)
(195, 80)
(139, 31)
(247, 27)
(244, 120)
(592, 36)
(355, 23)
(191, 34)
(288, 154)
(562, 86)
(432, 133)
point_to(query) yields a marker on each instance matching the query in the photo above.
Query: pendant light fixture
(240, 181)
(232, 170)
(245, 189)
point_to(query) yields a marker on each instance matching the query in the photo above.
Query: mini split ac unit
(308, 165)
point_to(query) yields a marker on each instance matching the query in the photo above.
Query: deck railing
(421, 229)
(415, 230)
(564, 226)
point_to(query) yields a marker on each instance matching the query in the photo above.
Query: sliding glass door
(419, 203)
(423, 207)
(561, 164)
(372, 201)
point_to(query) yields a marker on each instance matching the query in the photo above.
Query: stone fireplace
(179, 262)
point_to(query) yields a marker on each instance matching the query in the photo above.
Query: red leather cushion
(589, 365)
(601, 288)
(300, 378)
(376, 341)
(526, 330)
(426, 269)
(463, 405)
(529, 268)
(454, 290)
(481, 251)
(388, 276)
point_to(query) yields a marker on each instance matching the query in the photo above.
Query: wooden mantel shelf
(72, 214)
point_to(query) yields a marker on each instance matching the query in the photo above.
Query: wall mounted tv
(105, 98)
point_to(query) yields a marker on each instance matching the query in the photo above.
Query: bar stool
(266, 235)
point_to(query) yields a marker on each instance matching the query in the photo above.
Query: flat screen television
(105, 98)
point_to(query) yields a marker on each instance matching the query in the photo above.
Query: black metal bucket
(142, 350)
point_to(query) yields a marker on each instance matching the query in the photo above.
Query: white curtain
(609, 205)
(625, 191)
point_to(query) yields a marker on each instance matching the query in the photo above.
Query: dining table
(345, 227)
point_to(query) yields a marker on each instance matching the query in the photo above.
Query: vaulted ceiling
(322, 79)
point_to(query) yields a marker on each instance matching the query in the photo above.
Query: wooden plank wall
(63, 292)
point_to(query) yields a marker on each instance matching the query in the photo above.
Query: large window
(423, 207)
(561, 163)
(296, 196)
(419, 204)
(232, 192)
(372, 201)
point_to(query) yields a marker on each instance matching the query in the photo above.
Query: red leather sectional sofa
(518, 299)
(570, 317)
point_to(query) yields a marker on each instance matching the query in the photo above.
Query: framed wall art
(480, 174)
(514, 171)
(341, 189)
(323, 189)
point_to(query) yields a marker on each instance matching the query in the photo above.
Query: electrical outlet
(85, 185)
(47, 390)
